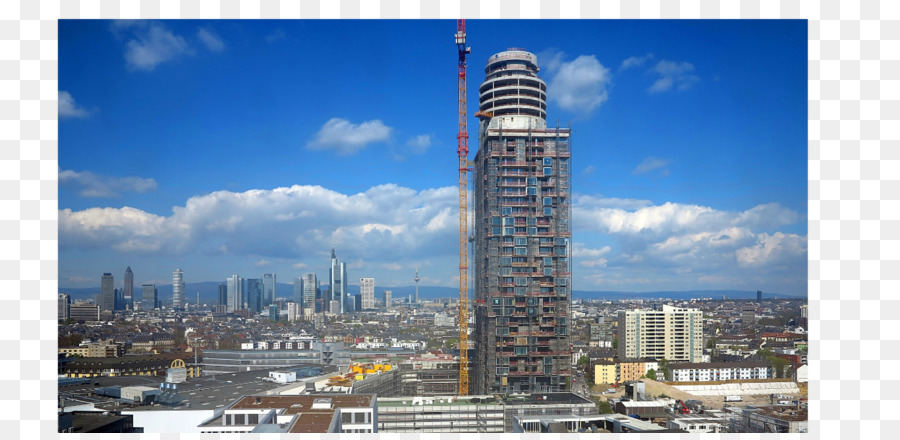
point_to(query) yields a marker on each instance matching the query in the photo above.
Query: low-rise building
(718, 371)
(296, 415)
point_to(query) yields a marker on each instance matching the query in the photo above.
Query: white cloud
(69, 109)
(262, 263)
(153, 45)
(635, 61)
(347, 138)
(589, 170)
(210, 39)
(550, 60)
(650, 164)
(420, 143)
(386, 223)
(580, 85)
(95, 185)
(777, 248)
(673, 74)
(587, 257)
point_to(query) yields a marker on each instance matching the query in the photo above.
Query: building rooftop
(304, 403)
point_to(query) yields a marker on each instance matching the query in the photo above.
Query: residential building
(149, 297)
(235, 287)
(522, 232)
(302, 414)
(666, 332)
(719, 371)
(107, 293)
(63, 303)
(629, 370)
(337, 283)
(367, 293)
(128, 289)
(388, 301)
(604, 372)
(269, 289)
(178, 289)
(748, 313)
(294, 312)
(255, 294)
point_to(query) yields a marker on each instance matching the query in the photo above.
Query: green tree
(651, 375)
(615, 343)
(582, 361)
(603, 407)
(664, 366)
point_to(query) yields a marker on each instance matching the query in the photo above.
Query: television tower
(416, 279)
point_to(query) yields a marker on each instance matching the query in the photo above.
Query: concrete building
(233, 361)
(296, 415)
(337, 283)
(222, 303)
(63, 303)
(128, 289)
(388, 301)
(178, 289)
(84, 312)
(293, 312)
(107, 293)
(748, 313)
(367, 293)
(717, 371)
(697, 423)
(235, 287)
(667, 332)
(522, 258)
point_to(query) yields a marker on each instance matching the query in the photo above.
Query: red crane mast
(462, 151)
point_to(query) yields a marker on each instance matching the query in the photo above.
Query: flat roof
(298, 404)
(312, 423)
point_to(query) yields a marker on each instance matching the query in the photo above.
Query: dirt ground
(656, 389)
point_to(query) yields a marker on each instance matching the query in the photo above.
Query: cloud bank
(95, 185)
(346, 138)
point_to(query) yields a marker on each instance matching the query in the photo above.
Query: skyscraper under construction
(522, 265)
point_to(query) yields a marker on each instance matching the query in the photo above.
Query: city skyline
(367, 136)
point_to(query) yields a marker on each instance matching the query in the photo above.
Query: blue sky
(252, 147)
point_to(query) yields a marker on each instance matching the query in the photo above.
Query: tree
(616, 343)
(664, 366)
(582, 361)
(651, 375)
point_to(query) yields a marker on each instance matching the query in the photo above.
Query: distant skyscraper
(235, 293)
(759, 296)
(293, 311)
(120, 299)
(128, 293)
(255, 294)
(64, 302)
(367, 292)
(298, 291)
(416, 279)
(337, 279)
(149, 297)
(387, 299)
(311, 290)
(273, 312)
(178, 289)
(521, 228)
(269, 288)
(107, 293)
(223, 296)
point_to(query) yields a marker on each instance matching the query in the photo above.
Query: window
(532, 221)
(521, 241)
(508, 221)
(521, 251)
(509, 231)
(532, 230)
(548, 171)
(521, 351)
(505, 261)
(521, 281)
(531, 191)
(506, 211)
(548, 271)
(548, 261)
(531, 180)
(495, 221)
(548, 211)
(548, 201)
(548, 161)
(495, 230)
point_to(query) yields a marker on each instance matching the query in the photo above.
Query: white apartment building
(673, 333)
(367, 290)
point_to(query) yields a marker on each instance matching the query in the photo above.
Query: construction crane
(462, 150)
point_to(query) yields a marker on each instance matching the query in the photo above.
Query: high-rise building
(311, 291)
(748, 313)
(62, 308)
(273, 312)
(128, 289)
(673, 333)
(255, 294)
(178, 289)
(107, 293)
(120, 299)
(149, 297)
(223, 297)
(298, 291)
(269, 289)
(759, 296)
(337, 279)
(521, 261)
(235, 293)
(388, 301)
(367, 292)
(293, 311)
